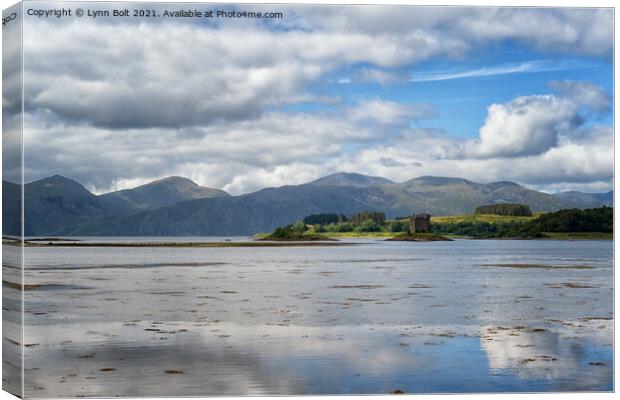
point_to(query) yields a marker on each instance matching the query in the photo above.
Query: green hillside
(490, 218)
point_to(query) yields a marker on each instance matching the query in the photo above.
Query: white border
(527, 3)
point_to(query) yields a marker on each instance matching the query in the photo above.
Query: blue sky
(461, 90)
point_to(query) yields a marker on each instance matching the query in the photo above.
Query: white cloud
(120, 75)
(525, 126)
(380, 76)
(565, 30)
(388, 112)
(570, 164)
(503, 69)
(284, 148)
(583, 93)
(531, 125)
(587, 31)
(144, 76)
(240, 156)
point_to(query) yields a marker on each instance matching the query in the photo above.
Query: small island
(419, 237)
(297, 232)
(419, 231)
(495, 221)
(418, 228)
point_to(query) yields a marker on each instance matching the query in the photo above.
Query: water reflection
(537, 353)
(150, 358)
(11, 320)
(374, 319)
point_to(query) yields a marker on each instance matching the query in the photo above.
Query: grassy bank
(489, 218)
(360, 235)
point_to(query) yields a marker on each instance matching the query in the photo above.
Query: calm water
(371, 318)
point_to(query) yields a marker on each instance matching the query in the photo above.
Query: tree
(368, 226)
(505, 209)
(399, 226)
(321, 219)
(377, 217)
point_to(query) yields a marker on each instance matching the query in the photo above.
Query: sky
(487, 94)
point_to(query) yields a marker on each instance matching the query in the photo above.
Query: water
(375, 317)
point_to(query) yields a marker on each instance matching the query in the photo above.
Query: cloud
(583, 93)
(585, 31)
(380, 76)
(562, 30)
(11, 103)
(389, 113)
(531, 125)
(145, 75)
(240, 156)
(504, 69)
(390, 162)
(374, 75)
(375, 137)
(525, 126)
(572, 163)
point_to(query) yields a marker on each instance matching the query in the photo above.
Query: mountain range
(178, 206)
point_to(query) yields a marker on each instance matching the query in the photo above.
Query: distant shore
(66, 243)
(389, 235)
(331, 239)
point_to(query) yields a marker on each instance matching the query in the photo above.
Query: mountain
(160, 193)
(351, 179)
(234, 215)
(177, 206)
(450, 196)
(11, 208)
(586, 200)
(54, 203)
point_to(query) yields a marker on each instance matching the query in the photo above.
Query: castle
(420, 223)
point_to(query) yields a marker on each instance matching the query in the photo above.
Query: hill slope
(160, 193)
(11, 209)
(586, 200)
(351, 179)
(56, 202)
(454, 196)
(240, 215)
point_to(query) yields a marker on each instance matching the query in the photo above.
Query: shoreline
(189, 244)
(567, 236)
(328, 241)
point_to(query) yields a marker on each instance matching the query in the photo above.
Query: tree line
(355, 219)
(365, 221)
(519, 210)
(325, 219)
(562, 221)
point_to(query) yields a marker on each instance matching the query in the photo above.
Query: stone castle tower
(419, 223)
